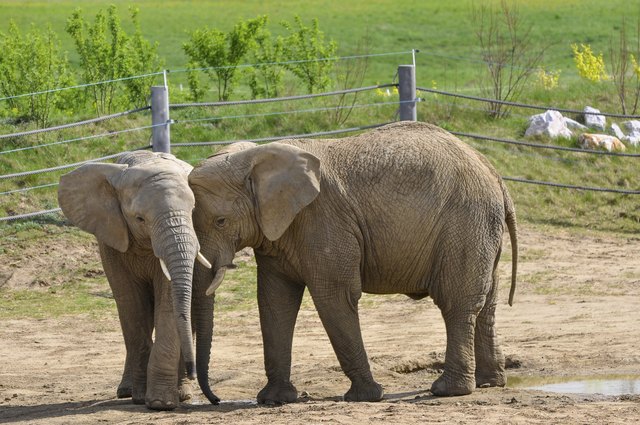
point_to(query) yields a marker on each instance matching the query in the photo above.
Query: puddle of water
(606, 385)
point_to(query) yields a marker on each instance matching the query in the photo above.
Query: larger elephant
(406, 208)
(140, 210)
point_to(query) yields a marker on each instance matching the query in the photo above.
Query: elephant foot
(162, 400)
(124, 391)
(161, 405)
(445, 386)
(278, 393)
(185, 391)
(368, 390)
(497, 379)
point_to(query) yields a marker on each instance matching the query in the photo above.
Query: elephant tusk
(217, 280)
(203, 260)
(165, 270)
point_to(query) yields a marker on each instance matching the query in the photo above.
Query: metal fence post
(407, 92)
(160, 139)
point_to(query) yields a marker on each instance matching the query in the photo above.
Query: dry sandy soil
(577, 313)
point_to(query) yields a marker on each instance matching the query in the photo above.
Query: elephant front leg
(279, 302)
(125, 388)
(136, 321)
(338, 310)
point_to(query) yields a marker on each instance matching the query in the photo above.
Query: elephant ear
(284, 180)
(90, 202)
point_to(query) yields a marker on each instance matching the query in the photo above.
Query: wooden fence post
(160, 139)
(407, 92)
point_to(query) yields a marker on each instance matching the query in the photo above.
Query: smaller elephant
(140, 210)
(406, 208)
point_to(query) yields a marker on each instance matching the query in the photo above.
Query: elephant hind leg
(458, 377)
(489, 358)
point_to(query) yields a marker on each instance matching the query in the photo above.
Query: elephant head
(248, 194)
(142, 204)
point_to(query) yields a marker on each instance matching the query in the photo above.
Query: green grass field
(448, 59)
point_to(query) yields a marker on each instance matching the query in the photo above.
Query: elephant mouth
(218, 278)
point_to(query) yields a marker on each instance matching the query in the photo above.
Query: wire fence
(13, 137)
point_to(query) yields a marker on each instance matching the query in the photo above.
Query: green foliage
(308, 55)
(220, 54)
(29, 64)
(590, 66)
(265, 77)
(107, 53)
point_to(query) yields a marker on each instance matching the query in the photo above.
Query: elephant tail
(510, 219)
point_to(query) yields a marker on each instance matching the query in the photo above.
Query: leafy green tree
(30, 64)
(219, 54)
(265, 77)
(307, 54)
(107, 53)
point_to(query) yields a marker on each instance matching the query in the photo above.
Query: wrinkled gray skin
(406, 208)
(140, 210)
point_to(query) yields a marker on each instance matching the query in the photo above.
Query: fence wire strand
(542, 146)
(75, 124)
(297, 111)
(280, 99)
(30, 215)
(569, 186)
(65, 167)
(77, 139)
(275, 138)
(523, 105)
(27, 189)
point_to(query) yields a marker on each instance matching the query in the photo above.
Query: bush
(107, 53)
(308, 55)
(265, 77)
(219, 54)
(30, 64)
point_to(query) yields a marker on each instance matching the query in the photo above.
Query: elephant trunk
(175, 243)
(203, 307)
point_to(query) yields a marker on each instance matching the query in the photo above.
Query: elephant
(140, 211)
(406, 208)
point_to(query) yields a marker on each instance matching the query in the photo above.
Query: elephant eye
(139, 219)
(220, 222)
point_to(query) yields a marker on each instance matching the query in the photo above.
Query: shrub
(590, 66)
(505, 45)
(107, 53)
(29, 64)
(265, 77)
(307, 54)
(219, 54)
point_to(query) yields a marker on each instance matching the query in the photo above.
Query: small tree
(220, 54)
(29, 64)
(506, 49)
(141, 58)
(308, 56)
(107, 53)
(348, 74)
(624, 69)
(265, 77)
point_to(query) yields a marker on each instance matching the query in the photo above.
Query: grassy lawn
(449, 59)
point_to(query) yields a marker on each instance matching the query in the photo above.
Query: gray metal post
(160, 139)
(407, 92)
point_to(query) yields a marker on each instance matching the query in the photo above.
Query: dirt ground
(576, 313)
